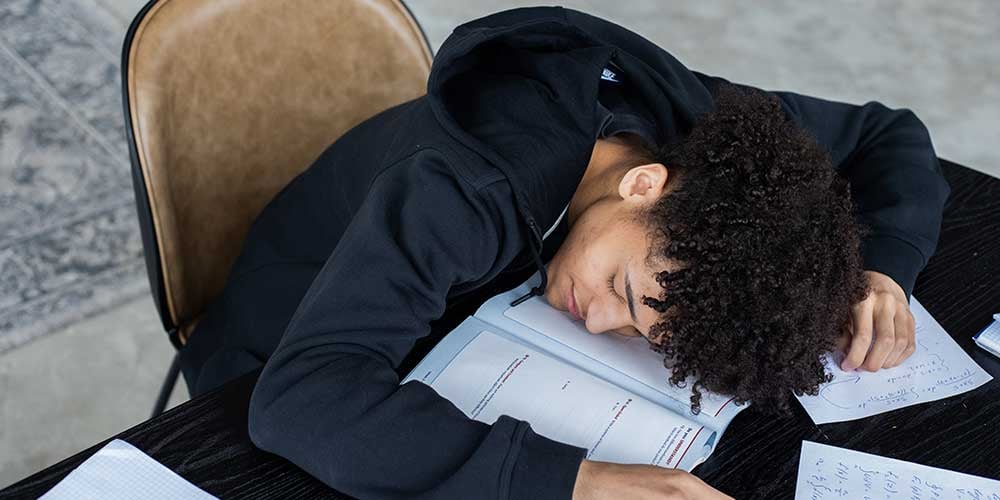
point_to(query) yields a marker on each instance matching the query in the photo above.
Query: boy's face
(604, 244)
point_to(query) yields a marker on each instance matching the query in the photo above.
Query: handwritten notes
(938, 369)
(831, 472)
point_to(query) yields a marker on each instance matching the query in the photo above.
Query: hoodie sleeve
(329, 398)
(895, 176)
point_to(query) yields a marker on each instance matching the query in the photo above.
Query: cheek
(584, 250)
(599, 251)
(588, 259)
(572, 249)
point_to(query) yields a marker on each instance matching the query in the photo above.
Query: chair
(225, 101)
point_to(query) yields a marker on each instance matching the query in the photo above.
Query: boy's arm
(896, 178)
(328, 399)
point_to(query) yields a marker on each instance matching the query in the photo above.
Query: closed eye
(611, 288)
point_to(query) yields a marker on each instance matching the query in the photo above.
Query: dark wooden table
(205, 440)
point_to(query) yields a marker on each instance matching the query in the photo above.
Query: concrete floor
(72, 388)
(68, 390)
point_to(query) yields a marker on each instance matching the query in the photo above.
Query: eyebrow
(628, 295)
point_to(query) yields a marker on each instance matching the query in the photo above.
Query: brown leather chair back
(227, 100)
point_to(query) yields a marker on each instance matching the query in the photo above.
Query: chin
(551, 296)
(548, 294)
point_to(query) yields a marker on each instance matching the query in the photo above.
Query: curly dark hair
(765, 235)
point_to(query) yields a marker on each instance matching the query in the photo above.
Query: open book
(607, 393)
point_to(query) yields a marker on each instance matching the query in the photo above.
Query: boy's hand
(608, 480)
(882, 321)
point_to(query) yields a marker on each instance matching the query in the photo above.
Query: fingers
(900, 341)
(883, 327)
(861, 320)
(905, 339)
(885, 339)
(843, 342)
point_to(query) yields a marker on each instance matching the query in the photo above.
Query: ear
(644, 183)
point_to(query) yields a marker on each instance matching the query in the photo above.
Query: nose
(602, 317)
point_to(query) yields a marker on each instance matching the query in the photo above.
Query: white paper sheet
(938, 369)
(830, 472)
(121, 471)
(494, 376)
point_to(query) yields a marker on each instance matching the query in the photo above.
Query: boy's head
(739, 246)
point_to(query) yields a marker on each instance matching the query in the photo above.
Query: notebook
(607, 393)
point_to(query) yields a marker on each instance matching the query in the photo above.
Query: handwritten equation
(939, 368)
(828, 472)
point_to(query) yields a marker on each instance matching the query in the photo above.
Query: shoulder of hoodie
(435, 159)
(425, 161)
(419, 136)
(430, 171)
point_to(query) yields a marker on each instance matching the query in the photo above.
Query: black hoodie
(446, 192)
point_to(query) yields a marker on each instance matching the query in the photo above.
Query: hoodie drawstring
(540, 289)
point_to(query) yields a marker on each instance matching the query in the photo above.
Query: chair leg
(168, 385)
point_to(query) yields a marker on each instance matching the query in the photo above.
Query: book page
(625, 361)
(432, 364)
(494, 375)
(938, 369)
(831, 472)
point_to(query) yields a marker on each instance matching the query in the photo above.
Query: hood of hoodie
(520, 88)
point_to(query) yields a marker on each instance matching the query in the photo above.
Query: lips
(571, 304)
